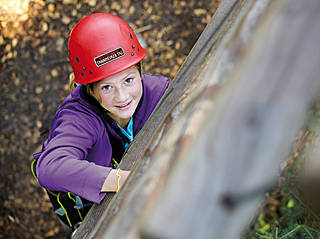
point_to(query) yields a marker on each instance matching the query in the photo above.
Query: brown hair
(72, 83)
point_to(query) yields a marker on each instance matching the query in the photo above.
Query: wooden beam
(216, 185)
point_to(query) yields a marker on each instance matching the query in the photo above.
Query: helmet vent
(131, 36)
(90, 72)
(133, 46)
(82, 73)
(77, 59)
(132, 54)
(84, 68)
(138, 49)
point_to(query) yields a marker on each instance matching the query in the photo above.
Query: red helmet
(101, 45)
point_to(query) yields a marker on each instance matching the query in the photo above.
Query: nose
(121, 95)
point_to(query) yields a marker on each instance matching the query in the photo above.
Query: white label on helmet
(109, 56)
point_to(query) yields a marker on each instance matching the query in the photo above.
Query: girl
(95, 124)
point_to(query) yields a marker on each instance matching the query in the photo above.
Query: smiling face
(120, 94)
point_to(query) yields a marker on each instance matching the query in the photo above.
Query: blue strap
(78, 204)
(60, 211)
(128, 133)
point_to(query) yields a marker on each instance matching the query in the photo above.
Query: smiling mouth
(124, 106)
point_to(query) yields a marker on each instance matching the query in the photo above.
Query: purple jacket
(83, 139)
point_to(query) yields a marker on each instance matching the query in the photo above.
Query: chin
(124, 115)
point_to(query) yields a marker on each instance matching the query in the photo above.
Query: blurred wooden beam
(251, 130)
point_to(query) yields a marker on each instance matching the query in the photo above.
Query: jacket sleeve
(62, 166)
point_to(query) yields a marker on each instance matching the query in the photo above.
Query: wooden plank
(251, 130)
(100, 215)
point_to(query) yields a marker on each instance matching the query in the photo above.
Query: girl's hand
(111, 182)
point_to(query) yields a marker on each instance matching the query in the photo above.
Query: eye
(106, 87)
(129, 80)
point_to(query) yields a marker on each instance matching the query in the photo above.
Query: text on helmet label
(109, 56)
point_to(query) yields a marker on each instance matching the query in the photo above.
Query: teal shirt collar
(128, 133)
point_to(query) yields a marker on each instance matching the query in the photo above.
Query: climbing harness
(70, 208)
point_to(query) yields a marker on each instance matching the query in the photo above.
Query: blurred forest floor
(34, 73)
(291, 210)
